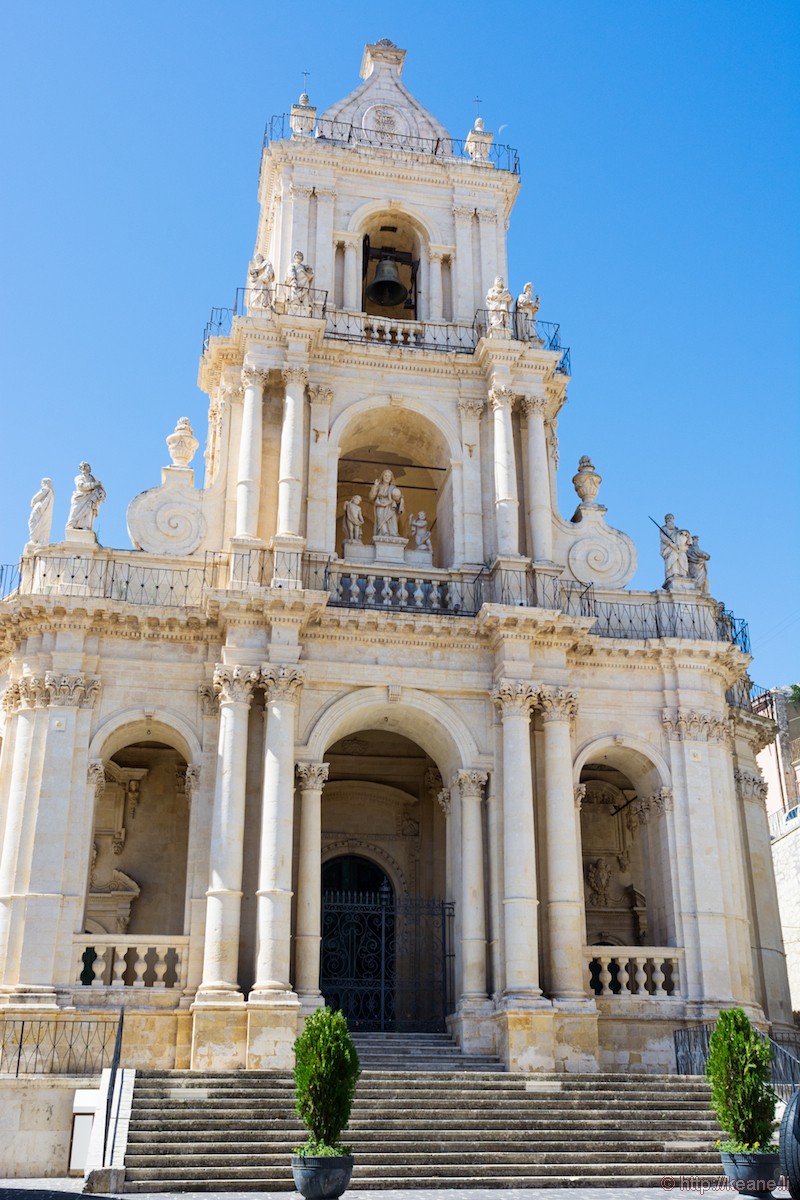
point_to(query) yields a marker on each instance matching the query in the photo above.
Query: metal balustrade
(56, 1045)
(117, 578)
(624, 972)
(116, 961)
(692, 1048)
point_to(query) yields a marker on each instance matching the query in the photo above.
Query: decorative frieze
(282, 683)
(685, 725)
(515, 697)
(312, 776)
(470, 783)
(557, 703)
(234, 685)
(750, 785)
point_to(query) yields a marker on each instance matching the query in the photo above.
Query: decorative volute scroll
(596, 553)
(169, 519)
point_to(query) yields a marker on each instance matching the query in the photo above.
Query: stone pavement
(55, 1189)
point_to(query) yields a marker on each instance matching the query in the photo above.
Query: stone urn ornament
(182, 444)
(587, 482)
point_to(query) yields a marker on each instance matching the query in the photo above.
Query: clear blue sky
(658, 219)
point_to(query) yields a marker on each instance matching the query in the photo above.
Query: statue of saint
(298, 280)
(41, 517)
(527, 308)
(262, 275)
(674, 550)
(353, 519)
(419, 528)
(698, 571)
(85, 503)
(388, 501)
(498, 302)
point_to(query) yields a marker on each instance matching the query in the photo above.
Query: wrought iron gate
(387, 963)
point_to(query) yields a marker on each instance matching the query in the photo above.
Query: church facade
(364, 718)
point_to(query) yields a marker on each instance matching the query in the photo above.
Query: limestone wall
(36, 1124)
(786, 857)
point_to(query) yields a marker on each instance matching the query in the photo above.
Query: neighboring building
(780, 764)
(291, 695)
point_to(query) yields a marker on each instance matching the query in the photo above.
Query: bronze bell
(386, 289)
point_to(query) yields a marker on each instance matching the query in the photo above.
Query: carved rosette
(209, 700)
(534, 406)
(234, 685)
(96, 778)
(684, 725)
(254, 376)
(501, 398)
(470, 783)
(282, 683)
(312, 776)
(320, 393)
(751, 785)
(557, 704)
(295, 375)
(515, 698)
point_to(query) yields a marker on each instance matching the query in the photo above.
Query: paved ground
(55, 1189)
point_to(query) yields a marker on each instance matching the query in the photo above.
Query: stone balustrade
(644, 972)
(113, 960)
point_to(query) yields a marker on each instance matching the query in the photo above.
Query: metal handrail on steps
(691, 1056)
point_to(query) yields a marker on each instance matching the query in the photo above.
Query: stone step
(422, 1183)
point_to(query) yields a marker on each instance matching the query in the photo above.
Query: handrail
(691, 1056)
(112, 1079)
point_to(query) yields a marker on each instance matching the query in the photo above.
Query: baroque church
(363, 718)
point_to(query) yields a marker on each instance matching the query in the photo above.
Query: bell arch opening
(392, 250)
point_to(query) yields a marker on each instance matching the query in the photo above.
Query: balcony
(634, 972)
(116, 961)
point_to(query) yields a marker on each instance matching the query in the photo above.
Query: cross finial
(478, 103)
(305, 81)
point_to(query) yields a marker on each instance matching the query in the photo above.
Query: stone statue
(419, 528)
(262, 275)
(388, 501)
(698, 571)
(527, 308)
(498, 302)
(674, 550)
(85, 504)
(353, 519)
(298, 280)
(41, 517)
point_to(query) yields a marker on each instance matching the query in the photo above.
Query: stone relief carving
(41, 518)
(354, 745)
(686, 725)
(515, 698)
(36, 691)
(86, 499)
(557, 704)
(209, 700)
(432, 782)
(471, 783)
(444, 801)
(282, 683)
(598, 876)
(234, 685)
(389, 506)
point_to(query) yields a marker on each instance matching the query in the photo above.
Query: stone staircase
(418, 1052)
(463, 1128)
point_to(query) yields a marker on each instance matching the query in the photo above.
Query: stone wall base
(271, 1033)
(219, 1038)
(474, 1027)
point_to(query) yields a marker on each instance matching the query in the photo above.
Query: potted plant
(739, 1071)
(325, 1075)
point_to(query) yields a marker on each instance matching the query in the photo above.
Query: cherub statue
(353, 519)
(419, 528)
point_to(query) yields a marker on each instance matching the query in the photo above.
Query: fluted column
(515, 700)
(473, 901)
(234, 689)
(290, 470)
(540, 521)
(352, 274)
(308, 937)
(434, 285)
(464, 298)
(274, 909)
(506, 501)
(558, 707)
(248, 481)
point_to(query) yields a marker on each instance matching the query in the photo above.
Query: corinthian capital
(501, 397)
(320, 393)
(515, 698)
(253, 375)
(11, 698)
(471, 406)
(234, 685)
(71, 691)
(32, 692)
(282, 683)
(557, 703)
(470, 783)
(534, 406)
(750, 785)
(312, 776)
(295, 375)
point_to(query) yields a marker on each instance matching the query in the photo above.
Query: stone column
(564, 884)
(464, 291)
(234, 688)
(248, 483)
(301, 199)
(308, 938)
(352, 274)
(506, 501)
(515, 699)
(540, 520)
(487, 224)
(434, 285)
(320, 397)
(274, 912)
(325, 250)
(473, 900)
(290, 470)
(470, 408)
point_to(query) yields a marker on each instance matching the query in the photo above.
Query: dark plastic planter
(321, 1178)
(759, 1170)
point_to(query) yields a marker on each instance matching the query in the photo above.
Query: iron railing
(279, 128)
(747, 695)
(517, 325)
(108, 1155)
(49, 1046)
(691, 1056)
(108, 579)
(669, 618)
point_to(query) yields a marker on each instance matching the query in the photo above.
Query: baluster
(120, 966)
(139, 966)
(99, 966)
(339, 588)
(640, 977)
(623, 976)
(355, 590)
(419, 595)
(369, 594)
(179, 967)
(386, 591)
(658, 978)
(676, 977)
(604, 978)
(160, 967)
(402, 592)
